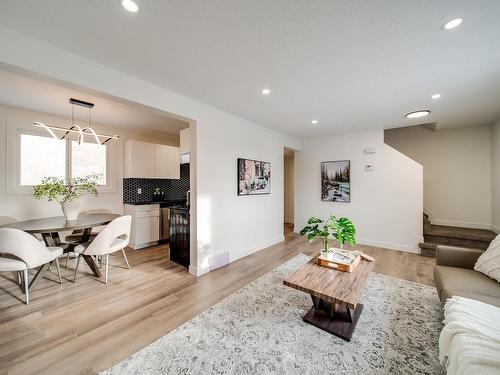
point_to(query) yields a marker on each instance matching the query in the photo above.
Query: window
(33, 154)
(88, 158)
(43, 156)
(40, 157)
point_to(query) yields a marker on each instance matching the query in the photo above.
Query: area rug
(259, 330)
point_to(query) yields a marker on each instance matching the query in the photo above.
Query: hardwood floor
(86, 327)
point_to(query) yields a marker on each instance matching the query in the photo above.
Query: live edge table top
(330, 285)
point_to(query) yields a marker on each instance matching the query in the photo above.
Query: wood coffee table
(334, 294)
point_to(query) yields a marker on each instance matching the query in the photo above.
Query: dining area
(33, 249)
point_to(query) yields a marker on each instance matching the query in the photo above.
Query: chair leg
(67, 258)
(125, 256)
(26, 286)
(76, 267)
(58, 270)
(19, 280)
(107, 269)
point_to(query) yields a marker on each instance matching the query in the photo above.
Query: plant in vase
(342, 229)
(67, 194)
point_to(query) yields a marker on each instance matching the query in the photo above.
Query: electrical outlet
(139, 190)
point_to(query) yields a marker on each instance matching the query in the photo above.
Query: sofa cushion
(489, 262)
(452, 281)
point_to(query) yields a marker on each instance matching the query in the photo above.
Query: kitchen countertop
(181, 202)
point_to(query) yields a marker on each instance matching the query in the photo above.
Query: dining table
(50, 227)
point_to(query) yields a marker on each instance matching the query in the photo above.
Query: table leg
(47, 238)
(41, 271)
(93, 266)
(89, 259)
(335, 318)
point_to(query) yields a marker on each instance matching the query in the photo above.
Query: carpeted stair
(453, 236)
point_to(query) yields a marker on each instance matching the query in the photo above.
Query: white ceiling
(37, 95)
(351, 64)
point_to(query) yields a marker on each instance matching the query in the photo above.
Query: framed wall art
(336, 181)
(254, 177)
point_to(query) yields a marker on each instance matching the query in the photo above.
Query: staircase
(453, 236)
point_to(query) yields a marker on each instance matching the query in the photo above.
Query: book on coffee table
(339, 262)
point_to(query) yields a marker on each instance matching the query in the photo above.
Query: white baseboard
(235, 255)
(193, 270)
(393, 246)
(462, 224)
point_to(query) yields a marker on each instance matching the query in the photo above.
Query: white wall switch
(370, 150)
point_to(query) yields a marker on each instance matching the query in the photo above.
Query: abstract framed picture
(336, 181)
(254, 177)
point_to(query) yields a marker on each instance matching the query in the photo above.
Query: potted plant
(67, 194)
(342, 229)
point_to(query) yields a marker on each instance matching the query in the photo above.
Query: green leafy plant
(56, 189)
(342, 229)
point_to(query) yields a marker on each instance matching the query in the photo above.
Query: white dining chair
(21, 252)
(114, 237)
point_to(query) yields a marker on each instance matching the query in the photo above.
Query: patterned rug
(259, 330)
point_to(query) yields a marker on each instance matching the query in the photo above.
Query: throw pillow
(489, 262)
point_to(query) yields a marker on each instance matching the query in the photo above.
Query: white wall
(221, 222)
(289, 188)
(232, 226)
(495, 177)
(24, 206)
(457, 171)
(386, 203)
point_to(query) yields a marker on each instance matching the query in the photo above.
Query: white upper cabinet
(167, 162)
(148, 160)
(185, 141)
(139, 159)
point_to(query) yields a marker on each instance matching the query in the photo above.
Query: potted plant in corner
(67, 194)
(342, 229)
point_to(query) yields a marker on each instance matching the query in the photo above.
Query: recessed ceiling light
(266, 91)
(452, 24)
(130, 5)
(436, 96)
(417, 114)
(314, 122)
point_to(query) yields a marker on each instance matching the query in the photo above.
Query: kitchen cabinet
(139, 159)
(167, 162)
(145, 229)
(149, 160)
(185, 141)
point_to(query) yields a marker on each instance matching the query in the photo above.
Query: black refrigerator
(179, 235)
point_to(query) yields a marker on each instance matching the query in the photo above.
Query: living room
(325, 80)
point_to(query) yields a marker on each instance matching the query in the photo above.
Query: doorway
(289, 182)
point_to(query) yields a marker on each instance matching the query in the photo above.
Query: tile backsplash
(174, 189)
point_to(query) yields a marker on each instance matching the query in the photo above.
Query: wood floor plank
(87, 326)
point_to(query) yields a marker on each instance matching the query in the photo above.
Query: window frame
(13, 167)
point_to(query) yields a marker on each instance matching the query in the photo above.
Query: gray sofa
(454, 275)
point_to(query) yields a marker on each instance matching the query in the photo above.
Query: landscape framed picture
(254, 177)
(336, 181)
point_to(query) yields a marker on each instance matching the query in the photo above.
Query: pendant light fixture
(74, 128)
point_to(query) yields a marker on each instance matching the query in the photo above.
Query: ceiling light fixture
(76, 128)
(452, 24)
(419, 113)
(314, 122)
(130, 5)
(266, 91)
(436, 96)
